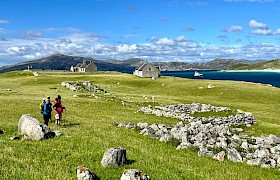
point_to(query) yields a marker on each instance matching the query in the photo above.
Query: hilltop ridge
(271, 65)
(64, 62)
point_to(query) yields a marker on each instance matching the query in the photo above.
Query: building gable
(84, 67)
(147, 70)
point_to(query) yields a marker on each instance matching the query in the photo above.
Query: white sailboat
(197, 74)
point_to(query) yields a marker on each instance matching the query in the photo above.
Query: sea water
(264, 77)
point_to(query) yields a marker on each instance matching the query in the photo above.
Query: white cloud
(165, 41)
(126, 36)
(255, 24)
(266, 32)
(33, 34)
(65, 40)
(262, 29)
(4, 21)
(179, 48)
(188, 28)
(262, 32)
(234, 29)
(181, 39)
(277, 31)
(197, 3)
(126, 48)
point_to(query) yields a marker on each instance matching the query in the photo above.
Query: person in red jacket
(58, 109)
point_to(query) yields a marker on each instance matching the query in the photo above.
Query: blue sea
(272, 78)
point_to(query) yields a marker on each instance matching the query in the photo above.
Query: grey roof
(142, 66)
(83, 65)
(78, 65)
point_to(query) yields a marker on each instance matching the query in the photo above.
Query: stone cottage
(84, 67)
(147, 70)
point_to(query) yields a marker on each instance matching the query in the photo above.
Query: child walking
(58, 109)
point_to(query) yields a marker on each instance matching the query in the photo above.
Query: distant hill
(273, 64)
(216, 64)
(64, 62)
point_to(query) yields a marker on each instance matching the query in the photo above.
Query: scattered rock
(234, 155)
(57, 133)
(83, 173)
(272, 139)
(31, 128)
(14, 138)
(255, 162)
(142, 125)
(114, 157)
(134, 174)
(203, 151)
(35, 73)
(2, 131)
(220, 156)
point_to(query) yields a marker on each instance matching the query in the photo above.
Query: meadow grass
(88, 133)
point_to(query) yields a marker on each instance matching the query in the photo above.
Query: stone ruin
(82, 85)
(217, 137)
(184, 111)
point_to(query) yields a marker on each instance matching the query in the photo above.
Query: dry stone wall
(82, 86)
(215, 137)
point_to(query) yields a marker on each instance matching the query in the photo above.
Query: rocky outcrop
(31, 128)
(114, 157)
(134, 174)
(83, 173)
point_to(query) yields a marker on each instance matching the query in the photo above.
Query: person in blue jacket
(46, 111)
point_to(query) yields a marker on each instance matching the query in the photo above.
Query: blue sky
(154, 30)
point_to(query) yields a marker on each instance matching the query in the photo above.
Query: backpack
(47, 108)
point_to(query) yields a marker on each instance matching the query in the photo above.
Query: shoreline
(256, 70)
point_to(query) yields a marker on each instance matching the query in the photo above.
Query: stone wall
(82, 86)
(217, 137)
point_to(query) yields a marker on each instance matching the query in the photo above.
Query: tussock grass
(87, 131)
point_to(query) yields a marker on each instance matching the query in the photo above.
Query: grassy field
(88, 134)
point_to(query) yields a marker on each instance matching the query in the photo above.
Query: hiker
(50, 115)
(42, 103)
(41, 106)
(46, 111)
(58, 109)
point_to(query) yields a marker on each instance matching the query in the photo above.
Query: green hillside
(271, 65)
(88, 133)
